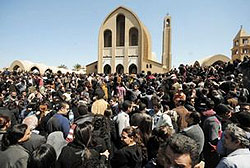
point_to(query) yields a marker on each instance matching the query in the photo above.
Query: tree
(77, 67)
(62, 66)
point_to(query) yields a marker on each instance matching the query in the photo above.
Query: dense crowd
(192, 116)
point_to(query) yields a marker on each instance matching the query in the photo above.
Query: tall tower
(166, 45)
(241, 45)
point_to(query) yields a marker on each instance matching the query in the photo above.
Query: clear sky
(56, 32)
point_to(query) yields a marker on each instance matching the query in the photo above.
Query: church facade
(124, 45)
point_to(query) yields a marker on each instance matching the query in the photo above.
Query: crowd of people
(190, 117)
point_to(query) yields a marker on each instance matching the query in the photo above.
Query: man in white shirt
(122, 119)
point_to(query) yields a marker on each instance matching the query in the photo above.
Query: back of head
(13, 135)
(99, 93)
(221, 109)
(126, 105)
(243, 119)
(210, 104)
(82, 109)
(83, 134)
(196, 117)
(43, 157)
(31, 122)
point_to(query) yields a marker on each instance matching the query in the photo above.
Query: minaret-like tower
(166, 45)
(241, 45)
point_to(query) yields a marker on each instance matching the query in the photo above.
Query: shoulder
(224, 163)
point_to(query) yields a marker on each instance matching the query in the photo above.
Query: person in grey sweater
(194, 130)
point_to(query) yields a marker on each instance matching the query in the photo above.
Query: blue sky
(56, 32)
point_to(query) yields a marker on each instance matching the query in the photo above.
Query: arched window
(107, 69)
(120, 69)
(132, 69)
(120, 30)
(107, 38)
(133, 37)
(168, 22)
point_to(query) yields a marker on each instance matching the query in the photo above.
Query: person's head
(193, 118)
(179, 103)
(43, 157)
(99, 93)
(83, 109)
(5, 123)
(245, 107)
(157, 107)
(243, 120)
(144, 122)
(209, 104)
(113, 101)
(64, 108)
(127, 106)
(235, 138)
(130, 136)
(135, 86)
(43, 107)
(83, 134)
(163, 132)
(31, 122)
(142, 107)
(178, 151)
(17, 134)
(108, 113)
(223, 111)
(13, 94)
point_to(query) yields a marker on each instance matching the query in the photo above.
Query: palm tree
(62, 66)
(77, 67)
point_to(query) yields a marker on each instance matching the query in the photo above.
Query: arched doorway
(120, 69)
(133, 69)
(107, 69)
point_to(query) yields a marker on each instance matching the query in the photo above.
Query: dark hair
(126, 104)
(135, 134)
(83, 109)
(210, 104)
(243, 120)
(63, 105)
(196, 117)
(142, 106)
(83, 134)
(181, 144)
(108, 113)
(13, 135)
(43, 157)
(158, 105)
(99, 93)
(159, 136)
